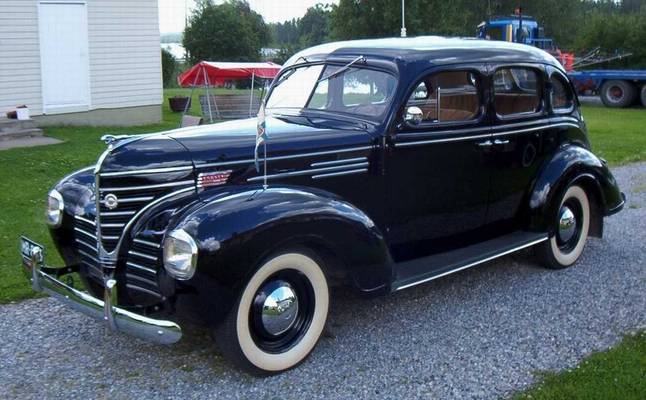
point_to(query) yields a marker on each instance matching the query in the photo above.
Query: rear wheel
(572, 225)
(279, 316)
(643, 95)
(618, 94)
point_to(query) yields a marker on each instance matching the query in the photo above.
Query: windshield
(354, 90)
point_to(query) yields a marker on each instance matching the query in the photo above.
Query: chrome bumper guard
(115, 318)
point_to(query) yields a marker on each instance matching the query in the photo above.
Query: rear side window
(447, 97)
(562, 97)
(516, 91)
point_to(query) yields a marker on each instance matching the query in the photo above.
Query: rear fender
(572, 164)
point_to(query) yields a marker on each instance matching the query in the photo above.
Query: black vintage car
(389, 163)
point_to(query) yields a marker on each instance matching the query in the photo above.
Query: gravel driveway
(480, 333)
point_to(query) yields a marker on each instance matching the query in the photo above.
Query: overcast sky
(172, 13)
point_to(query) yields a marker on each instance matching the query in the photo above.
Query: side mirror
(414, 116)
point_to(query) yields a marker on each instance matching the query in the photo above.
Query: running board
(415, 272)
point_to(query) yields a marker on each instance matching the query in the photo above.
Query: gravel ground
(480, 333)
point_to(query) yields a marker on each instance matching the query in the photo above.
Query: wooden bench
(229, 106)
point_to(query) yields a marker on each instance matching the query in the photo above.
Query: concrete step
(24, 133)
(13, 125)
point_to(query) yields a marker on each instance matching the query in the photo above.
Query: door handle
(486, 143)
(499, 142)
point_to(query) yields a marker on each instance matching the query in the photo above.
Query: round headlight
(55, 208)
(180, 254)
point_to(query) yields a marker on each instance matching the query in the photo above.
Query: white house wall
(124, 53)
(19, 56)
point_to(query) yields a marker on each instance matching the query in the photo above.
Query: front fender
(570, 164)
(236, 231)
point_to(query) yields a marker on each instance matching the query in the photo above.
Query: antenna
(403, 31)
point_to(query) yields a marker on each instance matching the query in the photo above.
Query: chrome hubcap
(280, 308)
(567, 224)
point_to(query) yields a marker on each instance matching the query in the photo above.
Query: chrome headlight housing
(55, 206)
(180, 255)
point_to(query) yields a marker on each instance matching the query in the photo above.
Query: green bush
(169, 68)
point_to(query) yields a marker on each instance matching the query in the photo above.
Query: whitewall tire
(564, 248)
(279, 316)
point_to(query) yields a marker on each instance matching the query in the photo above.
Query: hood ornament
(113, 139)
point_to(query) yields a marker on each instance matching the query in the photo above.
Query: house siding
(124, 54)
(19, 56)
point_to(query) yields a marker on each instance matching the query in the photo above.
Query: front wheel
(643, 95)
(571, 230)
(279, 316)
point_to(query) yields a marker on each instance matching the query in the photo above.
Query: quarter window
(562, 98)
(516, 91)
(447, 97)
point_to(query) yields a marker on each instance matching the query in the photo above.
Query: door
(438, 174)
(64, 56)
(520, 122)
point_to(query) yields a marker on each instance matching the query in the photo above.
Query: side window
(562, 97)
(516, 91)
(447, 97)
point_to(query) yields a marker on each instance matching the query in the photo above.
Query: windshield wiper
(343, 69)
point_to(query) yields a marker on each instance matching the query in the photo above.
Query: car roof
(436, 49)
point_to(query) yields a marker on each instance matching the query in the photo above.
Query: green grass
(618, 373)
(618, 135)
(27, 174)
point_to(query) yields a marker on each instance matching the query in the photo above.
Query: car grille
(133, 193)
(143, 260)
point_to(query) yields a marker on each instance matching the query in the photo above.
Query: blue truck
(616, 88)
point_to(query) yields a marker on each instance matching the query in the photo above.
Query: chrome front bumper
(115, 318)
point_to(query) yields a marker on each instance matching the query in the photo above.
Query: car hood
(235, 140)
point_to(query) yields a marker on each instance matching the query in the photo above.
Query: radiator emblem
(111, 201)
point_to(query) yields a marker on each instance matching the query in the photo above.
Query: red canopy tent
(209, 73)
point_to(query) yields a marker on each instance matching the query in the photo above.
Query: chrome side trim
(336, 162)
(147, 171)
(453, 139)
(145, 187)
(504, 253)
(308, 171)
(275, 158)
(537, 128)
(140, 267)
(142, 255)
(351, 172)
(147, 243)
(493, 134)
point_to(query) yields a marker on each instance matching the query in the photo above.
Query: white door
(64, 56)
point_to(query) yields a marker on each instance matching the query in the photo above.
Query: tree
(314, 27)
(225, 32)
(169, 66)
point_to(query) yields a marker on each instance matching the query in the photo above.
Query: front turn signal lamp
(55, 206)
(180, 255)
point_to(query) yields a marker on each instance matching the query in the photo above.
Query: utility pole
(403, 31)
